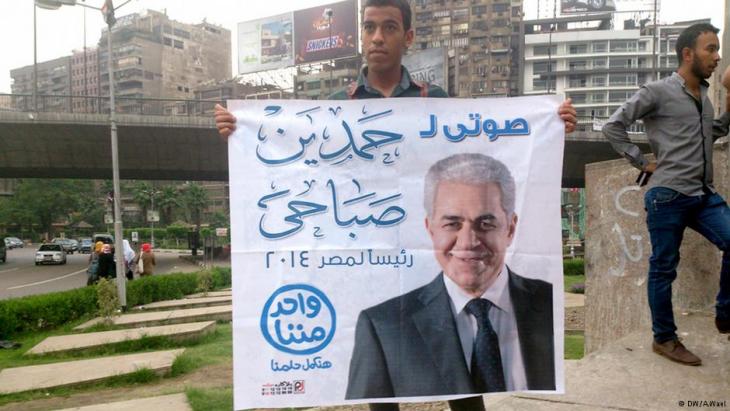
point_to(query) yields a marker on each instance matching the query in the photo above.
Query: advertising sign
(428, 66)
(356, 227)
(265, 44)
(326, 32)
(586, 6)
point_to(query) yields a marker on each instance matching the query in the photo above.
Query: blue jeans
(668, 214)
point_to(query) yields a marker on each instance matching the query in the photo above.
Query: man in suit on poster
(478, 326)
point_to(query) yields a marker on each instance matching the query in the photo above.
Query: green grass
(213, 399)
(574, 344)
(569, 280)
(214, 348)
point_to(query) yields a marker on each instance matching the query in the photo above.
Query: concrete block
(172, 402)
(217, 313)
(185, 303)
(618, 250)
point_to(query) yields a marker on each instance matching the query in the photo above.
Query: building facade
(54, 85)
(597, 68)
(483, 42)
(85, 80)
(159, 58)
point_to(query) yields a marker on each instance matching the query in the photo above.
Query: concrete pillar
(618, 249)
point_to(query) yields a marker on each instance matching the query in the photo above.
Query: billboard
(316, 40)
(357, 225)
(586, 6)
(428, 66)
(265, 44)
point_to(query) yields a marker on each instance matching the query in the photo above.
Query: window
(167, 41)
(479, 10)
(540, 67)
(424, 16)
(542, 84)
(424, 31)
(500, 7)
(622, 79)
(578, 98)
(598, 97)
(598, 81)
(599, 63)
(623, 45)
(544, 51)
(577, 65)
(578, 49)
(576, 81)
(178, 44)
(621, 62)
(600, 46)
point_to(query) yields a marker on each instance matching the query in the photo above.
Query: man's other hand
(224, 121)
(650, 167)
(567, 113)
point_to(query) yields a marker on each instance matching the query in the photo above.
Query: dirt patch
(575, 318)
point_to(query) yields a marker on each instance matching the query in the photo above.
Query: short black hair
(688, 37)
(402, 5)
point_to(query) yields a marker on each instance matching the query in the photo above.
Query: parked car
(50, 254)
(13, 242)
(85, 245)
(69, 246)
(3, 251)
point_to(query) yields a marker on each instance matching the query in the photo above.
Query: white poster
(395, 250)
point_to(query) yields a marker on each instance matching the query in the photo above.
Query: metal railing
(58, 103)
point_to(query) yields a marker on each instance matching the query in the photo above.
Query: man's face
(384, 40)
(705, 55)
(470, 233)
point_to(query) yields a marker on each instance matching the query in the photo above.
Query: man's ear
(410, 34)
(512, 227)
(687, 55)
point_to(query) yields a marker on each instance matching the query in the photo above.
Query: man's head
(106, 249)
(470, 201)
(698, 49)
(386, 33)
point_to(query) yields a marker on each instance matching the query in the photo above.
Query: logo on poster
(283, 388)
(298, 319)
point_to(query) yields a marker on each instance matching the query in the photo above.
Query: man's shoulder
(436, 91)
(528, 284)
(404, 302)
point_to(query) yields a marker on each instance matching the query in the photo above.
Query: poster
(265, 44)
(586, 6)
(313, 31)
(359, 226)
(428, 66)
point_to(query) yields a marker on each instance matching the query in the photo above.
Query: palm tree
(168, 198)
(195, 198)
(142, 193)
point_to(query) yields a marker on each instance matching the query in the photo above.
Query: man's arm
(636, 107)
(225, 122)
(368, 376)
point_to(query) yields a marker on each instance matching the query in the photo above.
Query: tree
(195, 199)
(41, 202)
(168, 199)
(142, 193)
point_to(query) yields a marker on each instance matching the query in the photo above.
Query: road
(19, 276)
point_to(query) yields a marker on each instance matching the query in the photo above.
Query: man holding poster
(478, 326)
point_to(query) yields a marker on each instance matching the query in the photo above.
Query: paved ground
(219, 313)
(74, 342)
(186, 303)
(172, 402)
(66, 373)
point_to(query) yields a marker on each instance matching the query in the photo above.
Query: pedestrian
(107, 266)
(129, 260)
(92, 272)
(678, 114)
(146, 261)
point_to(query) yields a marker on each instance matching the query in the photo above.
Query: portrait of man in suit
(477, 326)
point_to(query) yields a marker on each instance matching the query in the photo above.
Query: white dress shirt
(503, 320)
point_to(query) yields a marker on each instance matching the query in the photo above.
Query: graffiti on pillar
(636, 244)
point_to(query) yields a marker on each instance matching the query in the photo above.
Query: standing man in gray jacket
(678, 116)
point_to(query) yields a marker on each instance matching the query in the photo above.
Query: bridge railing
(58, 103)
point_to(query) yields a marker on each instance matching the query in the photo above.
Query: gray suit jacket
(409, 346)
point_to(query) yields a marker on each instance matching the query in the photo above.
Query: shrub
(575, 266)
(106, 298)
(205, 281)
(578, 288)
(47, 311)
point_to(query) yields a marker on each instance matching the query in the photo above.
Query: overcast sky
(61, 31)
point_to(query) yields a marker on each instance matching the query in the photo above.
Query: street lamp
(107, 10)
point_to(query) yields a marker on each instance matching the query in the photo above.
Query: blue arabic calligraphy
(395, 261)
(488, 127)
(300, 209)
(307, 365)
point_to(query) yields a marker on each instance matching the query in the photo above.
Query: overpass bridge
(171, 147)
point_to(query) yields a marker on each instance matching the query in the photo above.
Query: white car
(50, 254)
